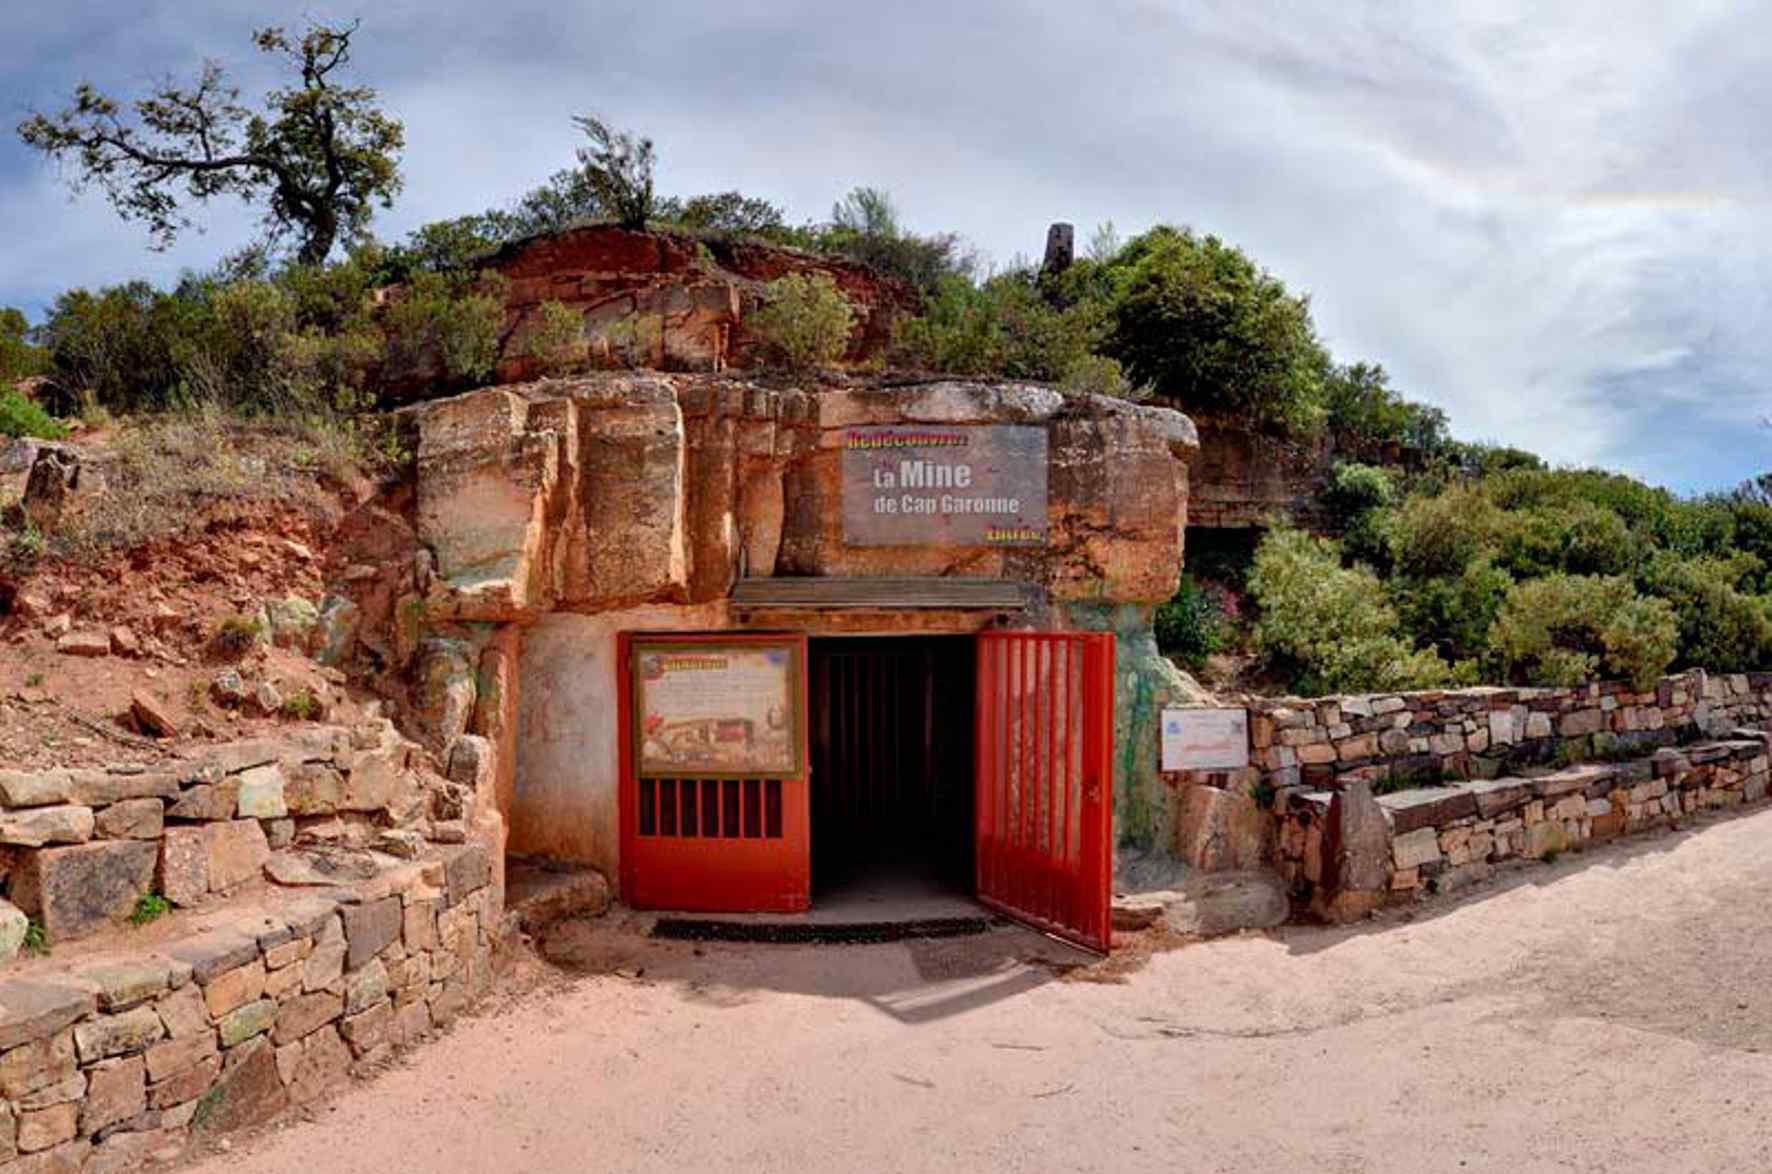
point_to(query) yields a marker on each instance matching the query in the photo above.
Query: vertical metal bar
(1053, 857)
(1025, 738)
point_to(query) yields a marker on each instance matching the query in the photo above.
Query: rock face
(658, 300)
(1243, 478)
(622, 490)
(55, 475)
(1219, 831)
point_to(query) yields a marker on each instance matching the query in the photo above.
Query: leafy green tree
(557, 339)
(20, 358)
(1366, 415)
(1205, 327)
(1190, 625)
(1453, 613)
(1441, 535)
(1721, 628)
(320, 156)
(725, 212)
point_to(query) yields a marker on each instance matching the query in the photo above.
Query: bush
(1442, 535)
(19, 357)
(1367, 417)
(1096, 375)
(805, 321)
(1453, 613)
(1328, 626)
(20, 416)
(1190, 625)
(1569, 629)
(558, 338)
(1720, 628)
(865, 227)
(447, 325)
(1577, 537)
(1355, 490)
(1197, 320)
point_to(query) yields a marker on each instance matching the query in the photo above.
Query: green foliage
(1441, 535)
(617, 167)
(447, 325)
(320, 157)
(1100, 375)
(1721, 628)
(1355, 490)
(865, 227)
(20, 358)
(1204, 326)
(1191, 625)
(1570, 629)
(1006, 327)
(20, 416)
(301, 705)
(1367, 417)
(1453, 613)
(725, 212)
(1331, 627)
(36, 938)
(805, 320)
(236, 634)
(149, 908)
(558, 338)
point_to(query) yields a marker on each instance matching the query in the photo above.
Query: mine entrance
(891, 732)
(772, 772)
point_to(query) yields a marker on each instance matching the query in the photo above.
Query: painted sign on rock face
(1205, 739)
(945, 485)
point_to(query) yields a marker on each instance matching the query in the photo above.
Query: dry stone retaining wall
(118, 1061)
(1440, 839)
(79, 848)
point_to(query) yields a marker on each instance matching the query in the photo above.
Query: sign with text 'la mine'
(944, 485)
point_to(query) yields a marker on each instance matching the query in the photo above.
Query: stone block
(466, 867)
(247, 1093)
(366, 987)
(237, 852)
(1417, 848)
(1496, 796)
(1544, 838)
(323, 1063)
(132, 819)
(261, 793)
(324, 966)
(36, 826)
(100, 788)
(14, 926)
(34, 788)
(214, 952)
(233, 989)
(314, 789)
(368, 1029)
(44, 1128)
(1217, 831)
(305, 1014)
(1427, 807)
(1581, 723)
(371, 928)
(117, 1035)
(78, 890)
(208, 802)
(116, 1090)
(170, 1057)
(241, 1024)
(36, 1064)
(123, 983)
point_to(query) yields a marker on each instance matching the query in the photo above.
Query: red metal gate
(1044, 779)
(736, 843)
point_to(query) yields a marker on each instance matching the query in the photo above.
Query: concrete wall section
(568, 745)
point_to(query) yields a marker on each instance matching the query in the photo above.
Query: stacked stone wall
(1441, 839)
(80, 848)
(117, 1061)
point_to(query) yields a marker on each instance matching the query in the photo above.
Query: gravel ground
(1612, 1012)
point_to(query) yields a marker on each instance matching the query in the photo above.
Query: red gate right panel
(1045, 771)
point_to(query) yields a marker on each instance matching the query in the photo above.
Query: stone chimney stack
(1061, 248)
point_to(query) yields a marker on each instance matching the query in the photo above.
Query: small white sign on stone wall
(1205, 739)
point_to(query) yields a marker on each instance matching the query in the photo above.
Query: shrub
(1355, 490)
(558, 339)
(235, 635)
(149, 908)
(1098, 375)
(1453, 613)
(805, 321)
(1197, 320)
(1190, 625)
(447, 325)
(20, 416)
(1330, 626)
(19, 357)
(865, 227)
(1442, 535)
(1720, 628)
(302, 705)
(1568, 629)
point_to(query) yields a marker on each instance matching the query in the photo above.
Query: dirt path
(1613, 1017)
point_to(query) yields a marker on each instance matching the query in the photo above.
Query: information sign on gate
(1205, 739)
(717, 710)
(945, 485)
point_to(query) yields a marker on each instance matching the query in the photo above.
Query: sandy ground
(1602, 1014)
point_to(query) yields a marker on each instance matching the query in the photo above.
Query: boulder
(84, 643)
(229, 689)
(335, 631)
(1221, 831)
(1358, 842)
(78, 890)
(292, 621)
(131, 819)
(55, 475)
(445, 694)
(262, 792)
(13, 927)
(1208, 904)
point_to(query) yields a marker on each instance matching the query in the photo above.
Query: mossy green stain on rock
(1144, 682)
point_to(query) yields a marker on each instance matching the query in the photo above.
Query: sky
(1547, 219)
